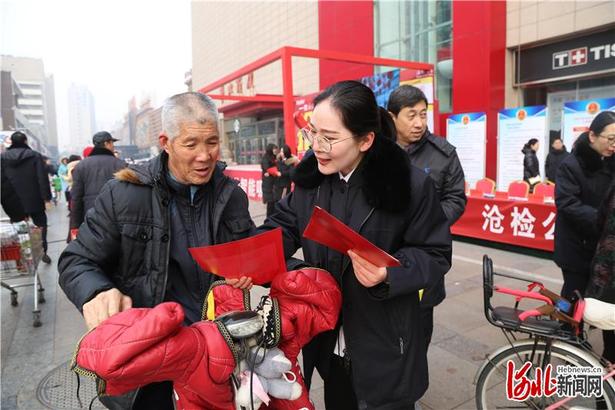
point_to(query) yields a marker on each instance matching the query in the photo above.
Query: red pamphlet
(327, 230)
(260, 257)
(273, 171)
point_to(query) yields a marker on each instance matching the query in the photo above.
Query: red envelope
(273, 171)
(260, 257)
(329, 231)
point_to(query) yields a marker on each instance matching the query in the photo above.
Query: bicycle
(554, 339)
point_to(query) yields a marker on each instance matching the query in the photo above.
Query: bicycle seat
(509, 318)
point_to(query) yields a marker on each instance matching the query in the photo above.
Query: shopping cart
(22, 250)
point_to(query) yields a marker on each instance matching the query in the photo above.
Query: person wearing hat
(91, 174)
(25, 185)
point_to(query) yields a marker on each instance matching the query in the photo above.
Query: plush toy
(272, 377)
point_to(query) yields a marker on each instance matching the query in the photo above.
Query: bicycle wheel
(491, 380)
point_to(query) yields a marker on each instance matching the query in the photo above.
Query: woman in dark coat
(582, 182)
(376, 357)
(531, 169)
(286, 164)
(267, 162)
(601, 284)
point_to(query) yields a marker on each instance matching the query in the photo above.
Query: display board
(468, 133)
(578, 115)
(516, 126)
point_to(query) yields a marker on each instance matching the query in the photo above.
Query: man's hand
(241, 283)
(367, 274)
(105, 305)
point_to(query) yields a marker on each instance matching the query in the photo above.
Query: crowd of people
(380, 171)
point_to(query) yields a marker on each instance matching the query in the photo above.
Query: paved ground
(462, 336)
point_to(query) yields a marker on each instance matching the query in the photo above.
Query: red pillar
(345, 26)
(479, 52)
(288, 102)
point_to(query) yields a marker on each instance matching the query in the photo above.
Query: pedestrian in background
(26, 172)
(73, 160)
(269, 166)
(557, 154)
(91, 174)
(582, 182)
(531, 167)
(286, 164)
(56, 181)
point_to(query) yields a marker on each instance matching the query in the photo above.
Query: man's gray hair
(187, 107)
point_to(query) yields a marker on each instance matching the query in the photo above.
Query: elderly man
(132, 248)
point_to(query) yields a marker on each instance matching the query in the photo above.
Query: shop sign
(577, 57)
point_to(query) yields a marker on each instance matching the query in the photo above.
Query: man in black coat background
(91, 174)
(557, 154)
(25, 185)
(437, 158)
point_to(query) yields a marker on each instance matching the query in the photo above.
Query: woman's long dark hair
(361, 114)
(529, 144)
(269, 151)
(358, 109)
(601, 121)
(287, 152)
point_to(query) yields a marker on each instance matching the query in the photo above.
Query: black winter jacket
(602, 280)
(554, 160)
(89, 176)
(531, 168)
(397, 210)
(25, 170)
(438, 158)
(268, 181)
(124, 240)
(582, 182)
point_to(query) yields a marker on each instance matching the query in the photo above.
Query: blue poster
(468, 133)
(516, 126)
(577, 115)
(382, 85)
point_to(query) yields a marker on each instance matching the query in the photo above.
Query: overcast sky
(117, 48)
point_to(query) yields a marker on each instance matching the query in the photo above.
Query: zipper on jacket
(401, 346)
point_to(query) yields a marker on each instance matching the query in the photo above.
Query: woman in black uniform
(375, 358)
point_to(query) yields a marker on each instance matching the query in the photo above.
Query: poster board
(516, 126)
(578, 115)
(468, 133)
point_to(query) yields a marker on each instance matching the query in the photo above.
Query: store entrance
(248, 145)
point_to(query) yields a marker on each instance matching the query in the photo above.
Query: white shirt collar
(347, 177)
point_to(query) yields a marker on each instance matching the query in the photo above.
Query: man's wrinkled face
(193, 154)
(411, 123)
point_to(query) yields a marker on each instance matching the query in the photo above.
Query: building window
(417, 31)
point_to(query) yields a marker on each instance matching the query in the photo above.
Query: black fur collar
(589, 158)
(386, 173)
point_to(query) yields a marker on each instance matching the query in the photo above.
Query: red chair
(518, 189)
(486, 186)
(544, 190)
